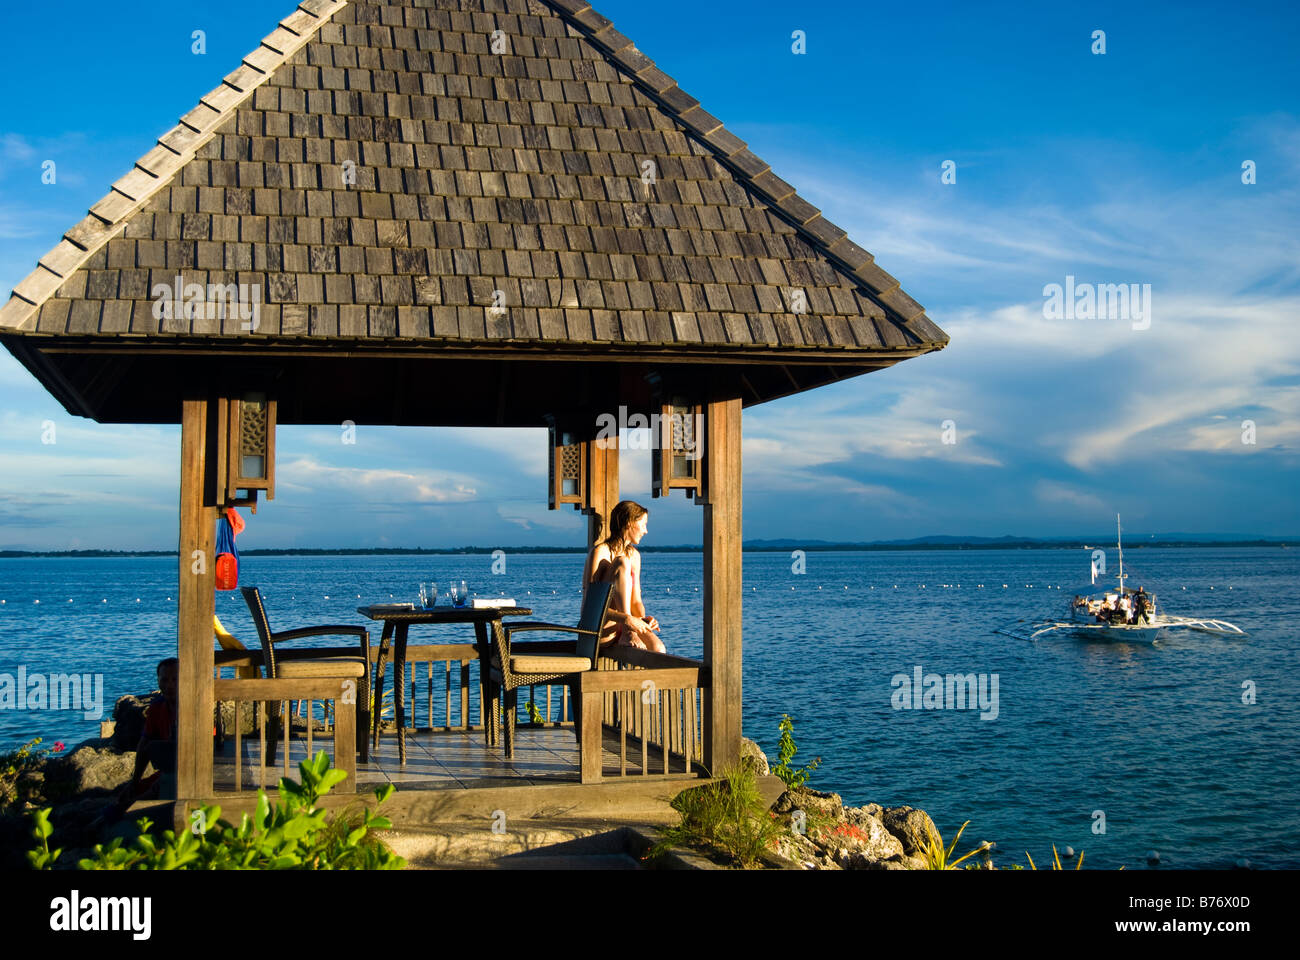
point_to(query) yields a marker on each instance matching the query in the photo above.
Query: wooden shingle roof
(380, 175)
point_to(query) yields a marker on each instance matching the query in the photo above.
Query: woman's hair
(626, 513)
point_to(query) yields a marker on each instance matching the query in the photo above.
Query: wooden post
(196, 603)
(591, 748)
(602, 488)
(722, 584)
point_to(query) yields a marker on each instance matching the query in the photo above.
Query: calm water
(1157, 738)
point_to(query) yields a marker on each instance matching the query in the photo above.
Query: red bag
(227, 567)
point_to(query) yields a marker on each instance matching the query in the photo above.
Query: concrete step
(523, 844)
(609, 861)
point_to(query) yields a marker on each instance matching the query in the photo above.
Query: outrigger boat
(1118, 614)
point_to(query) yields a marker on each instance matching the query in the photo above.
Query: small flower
(58, 746)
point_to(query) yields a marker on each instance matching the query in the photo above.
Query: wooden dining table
(397, 620)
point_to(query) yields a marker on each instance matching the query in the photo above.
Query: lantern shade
(250, 444)
(676, 463)
(567, 469)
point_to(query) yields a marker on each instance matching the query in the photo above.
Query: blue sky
(1124, 167)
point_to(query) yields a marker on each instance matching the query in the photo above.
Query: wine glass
(459, 593)
(428, 594)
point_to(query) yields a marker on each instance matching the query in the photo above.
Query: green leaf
(261, 811)
(330, 779)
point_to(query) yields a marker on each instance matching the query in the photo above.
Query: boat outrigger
(1119, 614)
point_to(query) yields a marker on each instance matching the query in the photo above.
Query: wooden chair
(513, 666)
(309, 663)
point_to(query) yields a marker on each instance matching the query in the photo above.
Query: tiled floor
(451, 760)
(441, 760)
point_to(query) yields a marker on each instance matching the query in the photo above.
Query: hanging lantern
(567, 470)
(679, 457)
(250, 447)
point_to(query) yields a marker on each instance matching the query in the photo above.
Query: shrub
(16, 766)
(292, 835)
(728, 816)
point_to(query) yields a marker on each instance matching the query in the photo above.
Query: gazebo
(454, 213)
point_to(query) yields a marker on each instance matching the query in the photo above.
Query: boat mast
(1119, 545)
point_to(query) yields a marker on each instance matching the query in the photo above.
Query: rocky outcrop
(826, 835)
(88, 769)
(83, 788)
(814, 804)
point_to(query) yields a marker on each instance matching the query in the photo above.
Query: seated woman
(616, 560)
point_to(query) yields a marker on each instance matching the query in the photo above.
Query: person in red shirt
(158, 741)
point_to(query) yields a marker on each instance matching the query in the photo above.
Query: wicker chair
(302, 662)
(515, 666)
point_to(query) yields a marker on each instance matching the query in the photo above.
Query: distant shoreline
(751, 547)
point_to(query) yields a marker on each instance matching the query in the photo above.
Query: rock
(798, 848)
(814, 803)
(79, 823)
(88, 769)
(752, 755)
(862, 862)
(128, 719)
(860, 815)
(868, 839)
(911, 826)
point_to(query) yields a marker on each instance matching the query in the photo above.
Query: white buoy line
(920, 586)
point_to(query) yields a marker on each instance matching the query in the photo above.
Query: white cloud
(377, 485)
(524, 448)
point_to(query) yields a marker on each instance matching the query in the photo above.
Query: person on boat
(1126, 609)
(1118, 615)
(1141, 606)
(616, 560)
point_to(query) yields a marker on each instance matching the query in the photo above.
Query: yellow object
(227, 639)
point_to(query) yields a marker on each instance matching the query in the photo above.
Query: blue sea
(1187, 747)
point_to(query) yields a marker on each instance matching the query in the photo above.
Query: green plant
(41, 858)
(939, 857)
(785, 751)
(728, 816)
(292, 835)
(534, 715)
(15, 766)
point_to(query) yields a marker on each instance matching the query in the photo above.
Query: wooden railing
(340, 693)
(654, 702)
(448, 655)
